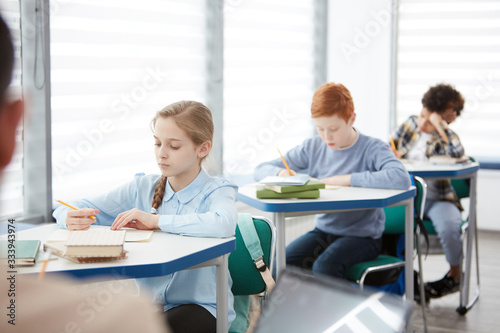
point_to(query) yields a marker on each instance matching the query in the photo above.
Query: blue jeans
(446, 218)
(331, 255)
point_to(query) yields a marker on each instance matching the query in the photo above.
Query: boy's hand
(137, 219)
(80, 219)
(449, 115)
(285, 173)
(435, 119)
(342, 180)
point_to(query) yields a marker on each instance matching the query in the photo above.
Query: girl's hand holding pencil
(79, 219)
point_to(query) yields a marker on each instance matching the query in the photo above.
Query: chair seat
(380, 274)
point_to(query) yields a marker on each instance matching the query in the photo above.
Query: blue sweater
(370, 162)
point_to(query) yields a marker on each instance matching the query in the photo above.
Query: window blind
(11, 187)
(114, 64)
(455, 42)
(268, 79)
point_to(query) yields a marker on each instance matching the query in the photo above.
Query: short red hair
(332, 99)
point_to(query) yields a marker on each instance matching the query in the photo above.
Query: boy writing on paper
(52, 305)
(426, 135)
(339, 155)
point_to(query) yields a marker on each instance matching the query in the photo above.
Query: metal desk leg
(409, 256)
(222, 271)
(471, 246)
(279, 219)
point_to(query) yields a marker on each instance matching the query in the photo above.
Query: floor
(482, 317)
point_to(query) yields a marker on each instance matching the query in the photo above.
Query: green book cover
(25, 251)
(310, 185)
(270, 194)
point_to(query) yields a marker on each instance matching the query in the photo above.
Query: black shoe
(442, 287)
(416, 290)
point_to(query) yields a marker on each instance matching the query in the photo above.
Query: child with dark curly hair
(419, 138)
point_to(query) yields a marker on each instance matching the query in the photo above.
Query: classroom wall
(488, 200)
(359, 50)
(359, 47)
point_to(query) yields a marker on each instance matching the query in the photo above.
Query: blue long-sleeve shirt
(370, 162)
(205, 208)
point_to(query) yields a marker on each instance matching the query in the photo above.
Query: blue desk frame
(331, 201)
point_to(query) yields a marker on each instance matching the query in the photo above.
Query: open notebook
(289, 180)
(303, 303)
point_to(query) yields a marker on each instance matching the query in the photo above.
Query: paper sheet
(132, 235)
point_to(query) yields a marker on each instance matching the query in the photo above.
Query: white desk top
(343, 197)
(426, 169)
(164, 254)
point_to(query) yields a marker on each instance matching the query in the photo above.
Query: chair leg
(421, 279)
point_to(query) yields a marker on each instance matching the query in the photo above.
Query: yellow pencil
(65, 204)
(393, 146)
(45, 261)
(286, 164)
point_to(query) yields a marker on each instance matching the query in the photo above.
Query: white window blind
(114, 64)
(268, 79)
(11, 188)
(455, 42)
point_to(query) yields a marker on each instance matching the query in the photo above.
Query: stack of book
(310, 190)
(93, 245)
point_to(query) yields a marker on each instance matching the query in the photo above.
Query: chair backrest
(395, 216)
(247, 280)
(461, 187)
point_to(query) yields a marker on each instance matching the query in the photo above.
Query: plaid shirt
(408, 134)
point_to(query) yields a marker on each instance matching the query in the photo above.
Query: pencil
(45, 261)
(393, 146)
(65, 204)
(286, 164)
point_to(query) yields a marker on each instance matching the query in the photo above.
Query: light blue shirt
(370, 162)
(205, 208)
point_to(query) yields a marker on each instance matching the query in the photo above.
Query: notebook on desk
(303, 303)
(289, 180)
(19, 252)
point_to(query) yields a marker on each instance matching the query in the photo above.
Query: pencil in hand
(67, 205)
(286, 164)
(393, 146)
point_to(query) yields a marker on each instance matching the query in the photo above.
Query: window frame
(36, 83)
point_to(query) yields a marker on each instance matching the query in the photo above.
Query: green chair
(247, 279)
(386, 269)
(461, 187)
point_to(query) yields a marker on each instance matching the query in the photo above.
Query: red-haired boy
(339, 155)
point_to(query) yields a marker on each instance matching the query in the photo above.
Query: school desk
(164, 254)
(458, 171)
(344, 198)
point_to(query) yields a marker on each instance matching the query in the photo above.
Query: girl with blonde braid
(183, 200)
